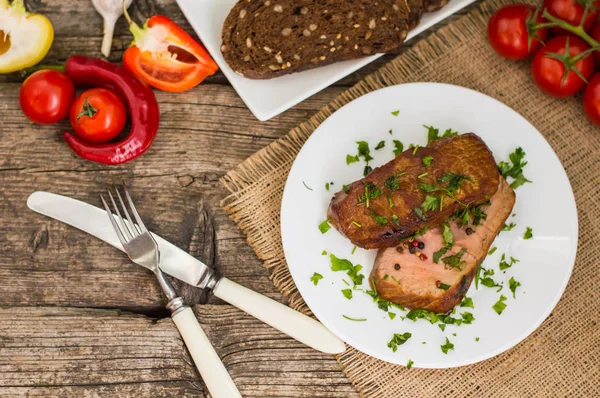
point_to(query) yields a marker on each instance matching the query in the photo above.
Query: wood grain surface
(76, 317)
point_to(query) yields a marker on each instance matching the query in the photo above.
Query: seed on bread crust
(286, 31)
(242, 13)
(278, 8)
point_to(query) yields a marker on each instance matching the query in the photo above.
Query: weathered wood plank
(72, 352)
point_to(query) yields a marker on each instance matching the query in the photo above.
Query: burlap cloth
(562, 357)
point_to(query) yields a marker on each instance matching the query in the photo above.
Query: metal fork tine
(133, 228)
(113, 222)
(124, 228)
(135, 213)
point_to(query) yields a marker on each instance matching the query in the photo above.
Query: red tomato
(507, 31)
(571, 11)
(595, 33)
(548, 73)
(98, 115)
(591, 100)
(46, 96)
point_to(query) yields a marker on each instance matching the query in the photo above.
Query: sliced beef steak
(389, 204)
(404, 278)
(263, 39)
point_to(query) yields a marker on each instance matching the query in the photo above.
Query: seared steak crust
(364, 225)
(406, 279)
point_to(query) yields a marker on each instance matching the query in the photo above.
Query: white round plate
(547, 206)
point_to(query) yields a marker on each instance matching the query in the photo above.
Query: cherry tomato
(46, 96)
(591, 100)
(595, 33)
(507, 31)
(548, 73)
(98, 115)
(571, 11)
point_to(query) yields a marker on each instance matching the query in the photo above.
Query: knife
(189, 269)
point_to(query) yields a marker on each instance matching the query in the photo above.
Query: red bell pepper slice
(166, 56)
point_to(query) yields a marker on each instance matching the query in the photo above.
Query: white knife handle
(281, 317)
(207, 361)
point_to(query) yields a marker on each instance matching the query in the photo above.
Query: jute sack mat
(562, 357)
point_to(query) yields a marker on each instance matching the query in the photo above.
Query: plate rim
(570, 262)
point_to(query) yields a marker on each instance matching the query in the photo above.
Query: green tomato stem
(576, 30)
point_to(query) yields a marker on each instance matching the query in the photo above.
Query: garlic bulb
(110, 10)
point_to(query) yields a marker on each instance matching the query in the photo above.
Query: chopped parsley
(427, 160)
(398, 339)
(364, 151)
(430, 203)
(489, 282)
(368, 169)
(353, 250)
(327, 186)
(454, 261)
(338, 264)
(324, 226)
(380, 220)
(354, 319)
(492, 250)
(420, 213)
(422, 175)
(324, 253)
(447, 346)
(467, 302)
(513, 285)
(392, 183)
(415, 150)
(410, 363)
(528, 233)
(437, 255)
(443, 286)
(307, 187)
(391, 315)
(346, 188)
(383, 305)
(380, 145)
(454, 181)
(390, 132)
(351, 159)
(356, 223)
(476, 338)
(442, 326)
(398, 147)
(500, 306)
(509, 226)
(396, 112)
(505, 265)
(514, 170)
(434, 134)
(347, 293)
(467, 318)
(447, 235)
(316, 278)
(395, 220)
(371, 192)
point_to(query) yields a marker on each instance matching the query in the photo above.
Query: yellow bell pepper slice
(25, 38)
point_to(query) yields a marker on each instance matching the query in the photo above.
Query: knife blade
(93, 220)
(187, 268)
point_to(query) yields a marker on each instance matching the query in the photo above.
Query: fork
(142, 249)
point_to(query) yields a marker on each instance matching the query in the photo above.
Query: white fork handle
(207, 361)
(299, 326)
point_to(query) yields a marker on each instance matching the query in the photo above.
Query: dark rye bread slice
(415, 13)
(263, 39)
(433, 5)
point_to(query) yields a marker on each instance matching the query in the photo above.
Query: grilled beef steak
(418, 282)
(420, 188)
(263, 39)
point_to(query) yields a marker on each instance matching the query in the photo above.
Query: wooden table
(76, 317)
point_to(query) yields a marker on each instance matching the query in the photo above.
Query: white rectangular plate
(268, 98)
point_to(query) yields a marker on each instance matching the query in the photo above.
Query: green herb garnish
(380, 145)
(509, 226)
(492, 250)
(316, 278)
(434, 134)
(351, 159)
(447, 346)
(354, 319)
(327, 186)
(324, 226)
(410, 363)
(528, 233)
(500, 306)
(391, 315)
(513, 285)
(347, 293)
(346, 188)
(437, 255)
(447, 235)
(422, 175)
(467, 302)
(505, 265)
(395, 220)
(353, 250)
(398, 339)
(307, 187)
(371, 192)
(467, 318)
(398, 147)
(442, 326)
(396, 113)
(367, 170)
(454, 261)
(516, 169)
(364, 151)
(444, 286)
(392, 183)
(430, 203)
(427, 160)
(420, 213)
(356, 223)
(324, 253)
(380, 220)
(338, 264)
(476, 338)
(415, 150)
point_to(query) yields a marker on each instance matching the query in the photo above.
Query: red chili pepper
(165, 56)
(138, 98)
